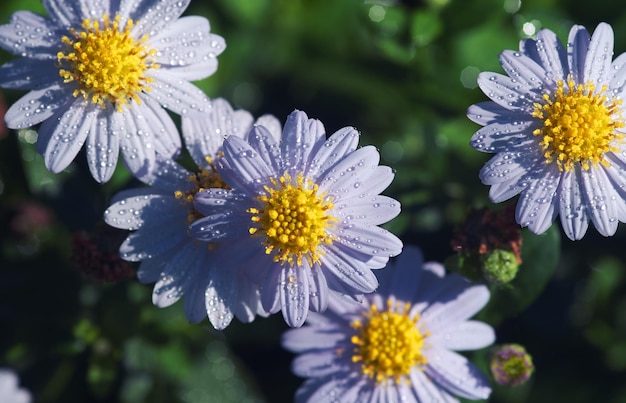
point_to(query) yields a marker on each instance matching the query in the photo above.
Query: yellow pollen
(205, 179)
(388, 344)
(579, 125)
(106, 62)
(294, 219)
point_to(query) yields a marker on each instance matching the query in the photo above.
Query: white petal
(502, 137)
(600, 200)
(262, 141)
(375, 209)
(454, 373)
(131, 208)
(154, 16)
(525, 71)
(72, 12)
(426, 390)
(102, 150)
(312, 338)
(350, 272)
(368, 239)
(548, 51)
(505, 92)
(485, 113)
(599, 56)
(578, 45)
(187, 41)
(247, 164)
(65, 134)
(511, 164)
(468, 335)
(220, 296)
(39, 105)
(176, 94)
(302, 137)
(318, 289)
(153, 127)
(204, 133)
(453, 305)
(536, 208)
(139, 160)
(294, 291)
(30, 35)
(574, 218)
(348, 174)
(341, 143)
(403, 277)
(272, 124)
(315, 364)
(24, 74)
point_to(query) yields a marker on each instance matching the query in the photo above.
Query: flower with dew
(10, 392)
(398, 344)
(160, 215)
(556, 124)
(100, 73)
(302, 217)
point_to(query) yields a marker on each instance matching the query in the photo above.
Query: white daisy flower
(10, 392)
(302, 216)
(100, 73)
(160, 215)
(556, 124)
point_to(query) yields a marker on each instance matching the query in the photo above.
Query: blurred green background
(403, 73)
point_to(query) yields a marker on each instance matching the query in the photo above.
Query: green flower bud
(500, 266)
(511, 365)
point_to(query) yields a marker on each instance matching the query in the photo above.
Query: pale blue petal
(454, 373)
(219, 297)
(426, 390)
(506, 92)
(578, 45)
(536, 207)
(507, 136)
(510, 164)
(139, 159)
(68, 131)
(294, 292)
(341, 143)
(315, 364)
(133, 208)
(549, 52)
(264, 143)
(599, 56)
(314, 338)
(350, 272)
(30, 35)
(270, 293)
(272, 124)
(574, 218)
(154, 15)
(204, 133)
(41, 104)
(153, 127)
(485, 113)
(247, 165)
(102, 148)
(379, 181)
(403, 276)
(150, 270)
(318, 289)
(347, 175)
(368, 239)
(180, 271)
(525, 71)
(174, 93)
(600, 200)
(468, 335)
(374, 209)
(452, 306)
(187, 41)
(302, 137)
(25, 74)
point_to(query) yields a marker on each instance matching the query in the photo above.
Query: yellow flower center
(106, 62)
(205, 179)
(293, 219)
(389, 344)
(579, 125)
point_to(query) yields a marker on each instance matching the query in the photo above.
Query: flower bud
(511, 365)
(499, 266)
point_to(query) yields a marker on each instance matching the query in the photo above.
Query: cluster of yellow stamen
(205, 179)
(579, 125)
(106, 62)
(388, 344)
(294, 219)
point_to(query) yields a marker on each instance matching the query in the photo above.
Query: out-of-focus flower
(160, 215)
(302, 216)
(96, 255)
(511, 365)
(10, 392)
(556, 124)
(100, 74)
(398, 344)
(25, 219)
